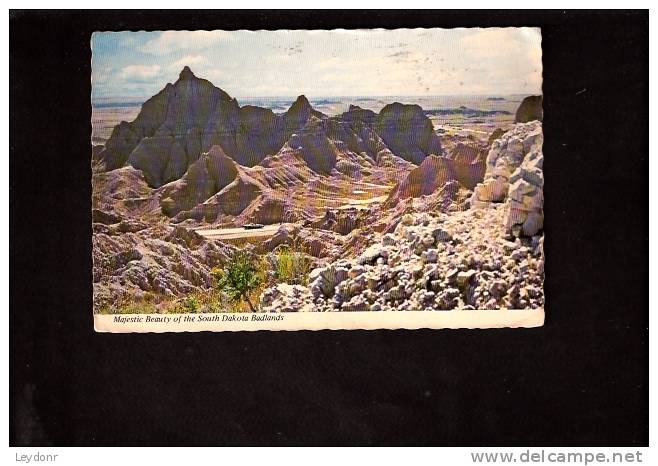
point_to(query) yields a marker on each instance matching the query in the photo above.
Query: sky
(400, 62)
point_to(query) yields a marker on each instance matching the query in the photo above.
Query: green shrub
(291, 264)
(190, 304)
(238, 278)
(167, 205)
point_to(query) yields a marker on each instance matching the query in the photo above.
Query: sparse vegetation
(190, 304)
(237, 285)
(239, 278)
(291, 264)
(209, 301)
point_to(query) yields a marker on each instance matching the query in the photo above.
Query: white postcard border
(232, 322)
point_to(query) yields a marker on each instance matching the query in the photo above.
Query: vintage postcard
(320, 179)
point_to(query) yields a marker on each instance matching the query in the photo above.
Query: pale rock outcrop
(525, 200)
(514, 175)
(287, 298)
(431, 261)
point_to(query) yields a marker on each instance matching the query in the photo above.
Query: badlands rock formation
(489, 256)
(191, 116)
(132, 259)
(515, 176)
(434, 172)
(389, 217)
(407, 132)
(210, 160)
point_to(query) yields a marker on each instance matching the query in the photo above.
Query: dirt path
(238, 233)
(269, 230)
(362, 203)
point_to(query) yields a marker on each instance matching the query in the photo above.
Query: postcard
(317, 179)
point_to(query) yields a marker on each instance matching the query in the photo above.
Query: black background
(582, 379)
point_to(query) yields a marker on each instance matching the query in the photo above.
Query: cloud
(172, 41)
(213, 75)
(140, 73)
(323, 63)
(477, 44)
(189, 60)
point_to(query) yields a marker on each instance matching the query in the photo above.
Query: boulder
(106, 218)
(323, 281)
(286, 298)
(530, 110)
(373, 253)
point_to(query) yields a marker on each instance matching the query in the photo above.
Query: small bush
(190, 304)
(167, 205)
(291, 264)
(239, 278)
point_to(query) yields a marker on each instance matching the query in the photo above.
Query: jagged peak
(218, 152)
(301, 99)
(300, 103)
(186, 73)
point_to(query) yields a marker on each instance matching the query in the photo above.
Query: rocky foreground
(430, 262)
(136, 263)
(489, 256)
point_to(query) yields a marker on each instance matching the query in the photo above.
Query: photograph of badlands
(381, 172)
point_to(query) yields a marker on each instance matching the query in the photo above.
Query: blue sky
(321, 63)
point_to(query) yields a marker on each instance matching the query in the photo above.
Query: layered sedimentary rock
(208, 175)
(355, 141)
(514, 175)
(466, 165)
(231, 200)
(124, 192)
(205, 157)
(150, 261)
(189, 117)
(312, 145)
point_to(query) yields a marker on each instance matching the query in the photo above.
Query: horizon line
(126, 99)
